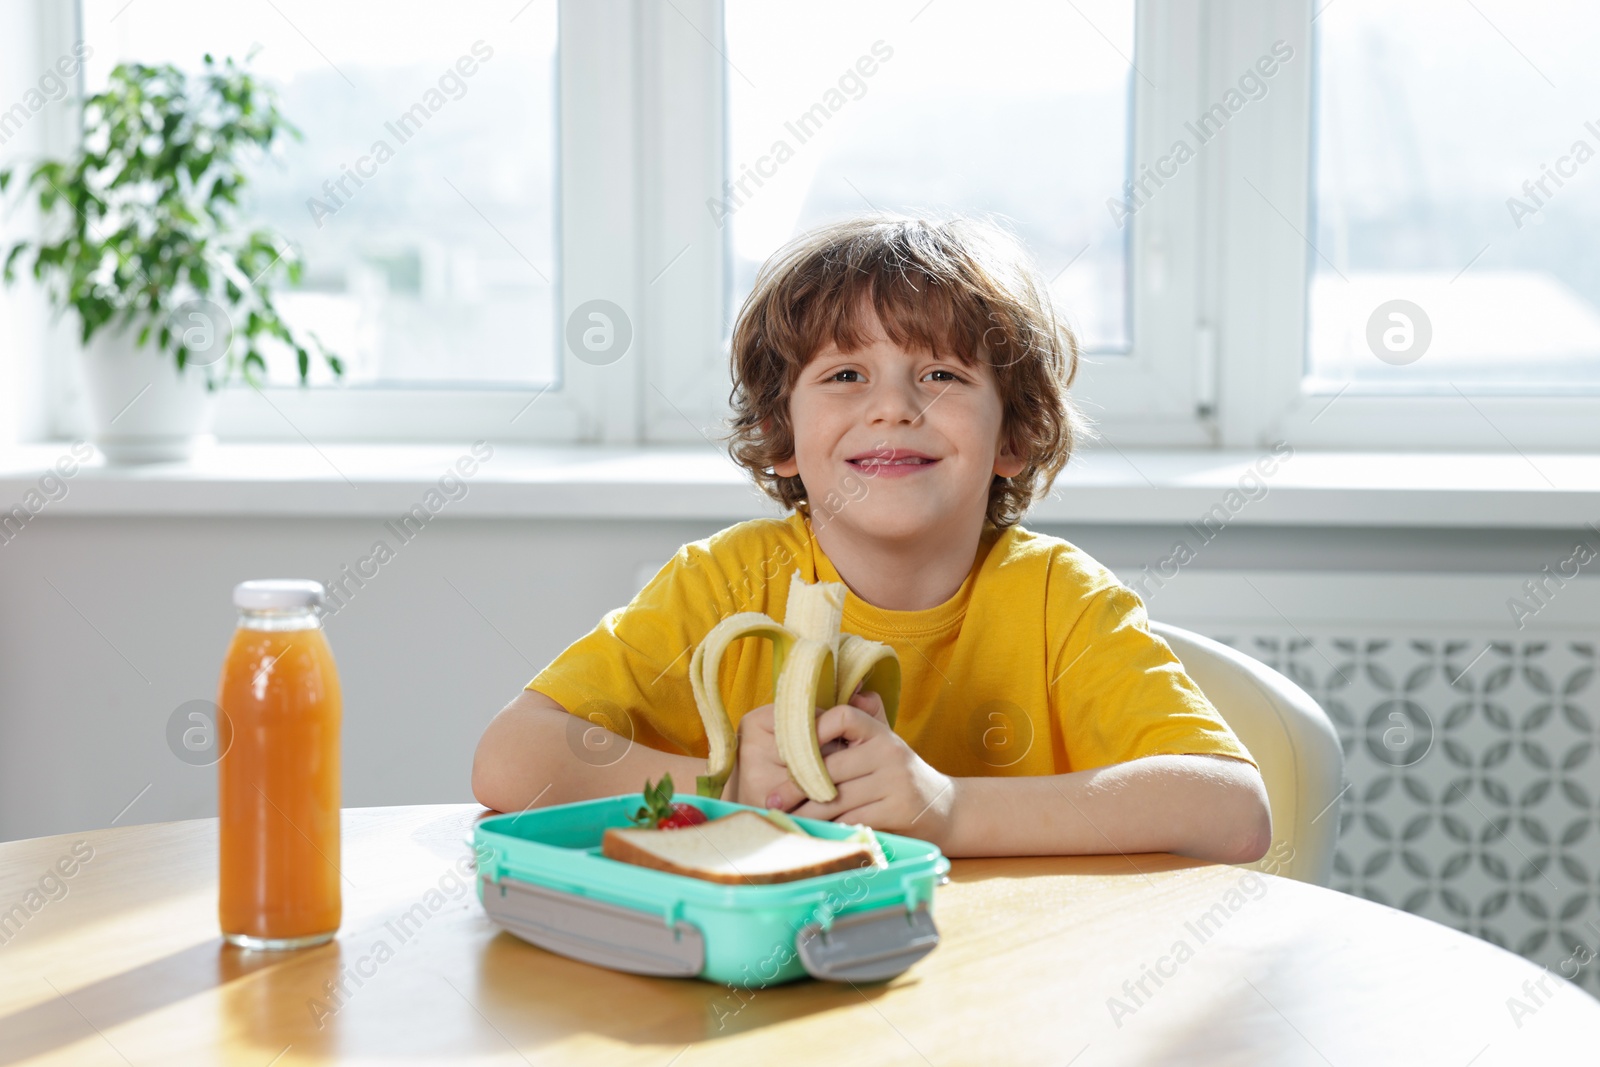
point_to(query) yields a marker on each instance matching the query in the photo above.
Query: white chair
(1292, 741)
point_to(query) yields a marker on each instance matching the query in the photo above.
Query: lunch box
(541, 876)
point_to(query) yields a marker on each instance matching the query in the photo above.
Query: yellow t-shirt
(1041, 663)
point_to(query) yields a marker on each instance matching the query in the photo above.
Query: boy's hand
(881, 781)
(756, 772)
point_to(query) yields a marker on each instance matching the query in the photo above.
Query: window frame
(1218, 271)
(1264, 275)
(581, 405)
(1163, 392)
(1156, 394)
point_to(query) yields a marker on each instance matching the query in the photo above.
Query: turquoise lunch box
(541, 876)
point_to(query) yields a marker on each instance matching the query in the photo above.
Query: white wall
(107, 624)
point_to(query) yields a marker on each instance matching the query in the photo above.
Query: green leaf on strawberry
(659, 811)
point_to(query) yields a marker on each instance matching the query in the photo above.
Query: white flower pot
(141, 408)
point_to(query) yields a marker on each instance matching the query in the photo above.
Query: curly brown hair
(956, 286)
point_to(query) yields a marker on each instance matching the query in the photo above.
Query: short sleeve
(631, 672)
(1118, 693)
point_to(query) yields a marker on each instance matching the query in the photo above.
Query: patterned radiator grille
(1472, 782)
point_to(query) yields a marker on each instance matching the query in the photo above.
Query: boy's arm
(534, 753)
(1209, 807)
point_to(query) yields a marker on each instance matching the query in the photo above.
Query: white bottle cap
(278, 594)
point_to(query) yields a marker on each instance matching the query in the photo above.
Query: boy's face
(905, 442)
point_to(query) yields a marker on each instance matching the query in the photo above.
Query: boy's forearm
(1206, 807)
(534, 754)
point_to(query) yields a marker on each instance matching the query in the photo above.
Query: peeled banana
(813, 664)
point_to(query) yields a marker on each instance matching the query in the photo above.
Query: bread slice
(744, 848)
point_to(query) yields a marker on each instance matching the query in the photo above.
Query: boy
(901, 385)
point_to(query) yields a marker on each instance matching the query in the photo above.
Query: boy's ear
(787, 468)
(1008, 464)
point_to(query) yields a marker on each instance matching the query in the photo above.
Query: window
(422, 195)
(1457, 235)
(1029, 111)
(1021, 110)
(1336, 157)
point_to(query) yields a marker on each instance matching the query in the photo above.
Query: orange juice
(278, 782)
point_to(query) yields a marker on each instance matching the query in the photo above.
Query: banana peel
(814, 665)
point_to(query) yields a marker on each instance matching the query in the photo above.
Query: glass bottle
(278, 781)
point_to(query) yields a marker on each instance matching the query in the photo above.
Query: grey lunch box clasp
(867, 946)
(594, 931)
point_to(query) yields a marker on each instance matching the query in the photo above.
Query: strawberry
(661, 813)
(682, 815)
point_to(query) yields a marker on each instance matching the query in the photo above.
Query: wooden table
(122, 964)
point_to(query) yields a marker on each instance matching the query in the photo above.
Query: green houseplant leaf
(143, 220)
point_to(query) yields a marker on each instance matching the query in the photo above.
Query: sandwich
(744, 848)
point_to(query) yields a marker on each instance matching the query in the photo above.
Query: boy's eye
(853, 375)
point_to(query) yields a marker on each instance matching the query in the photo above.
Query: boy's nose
(895, 401)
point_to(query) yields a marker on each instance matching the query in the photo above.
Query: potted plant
(144, 246)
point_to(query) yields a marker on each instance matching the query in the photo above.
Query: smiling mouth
(908, 461)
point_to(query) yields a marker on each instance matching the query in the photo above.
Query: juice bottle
(278, 782)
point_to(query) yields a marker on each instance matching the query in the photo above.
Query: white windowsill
(699, 482)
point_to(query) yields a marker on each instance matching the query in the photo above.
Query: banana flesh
(814, 665)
